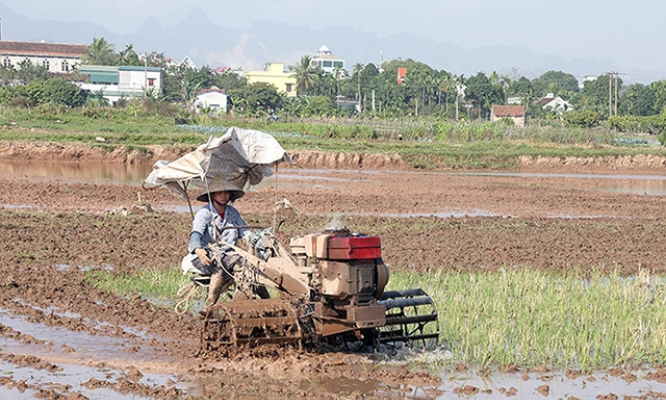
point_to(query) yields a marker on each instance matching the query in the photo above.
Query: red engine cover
(354, 247)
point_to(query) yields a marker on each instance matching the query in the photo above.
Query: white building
(188, 63)
(555, 103)
(55, 57)
(326, 60)
(115, 83)
(214, 99)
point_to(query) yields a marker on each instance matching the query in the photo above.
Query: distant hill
(209, 44)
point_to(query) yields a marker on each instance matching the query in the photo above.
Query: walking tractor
(327, 286)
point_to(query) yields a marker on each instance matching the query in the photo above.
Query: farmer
(209, 223)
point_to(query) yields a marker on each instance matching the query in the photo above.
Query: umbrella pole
(189, 204)
(187, 196)
(275, 190)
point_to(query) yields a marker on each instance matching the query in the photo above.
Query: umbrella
(239, 153)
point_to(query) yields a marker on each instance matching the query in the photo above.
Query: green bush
(583, 119)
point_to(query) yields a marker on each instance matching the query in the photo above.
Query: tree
(230, 80)
(61, 91)
(523, 88)
(356, 75)
(7, 74)
(129, 57)
(256, 98)
(595, 95)
(557, 82)
(338, 73)
(155, 59)
(100, 52)
(28, 72)
(318, 106)
(639, 100)
(307, 77)
(481, 92)
(461, 86)
(446, 87)
(196, 80)
(659, 90)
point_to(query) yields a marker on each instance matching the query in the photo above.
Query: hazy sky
(631, 33)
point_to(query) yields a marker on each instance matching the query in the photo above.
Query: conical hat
(220, 183)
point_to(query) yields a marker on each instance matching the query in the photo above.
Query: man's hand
(203, 256)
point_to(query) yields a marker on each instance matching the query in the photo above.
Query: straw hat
(219, 184)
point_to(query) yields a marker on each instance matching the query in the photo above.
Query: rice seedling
(530, 317)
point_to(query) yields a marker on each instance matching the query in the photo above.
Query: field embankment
(314, 159)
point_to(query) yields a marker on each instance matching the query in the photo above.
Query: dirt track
(48, 225)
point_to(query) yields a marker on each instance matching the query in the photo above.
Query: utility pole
(610, 94)
(616, 74)
(613, 92)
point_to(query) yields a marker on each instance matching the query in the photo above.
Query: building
(555, 103)
(327, 61)
(274, 74)
(115, 83)
(213, 99)
(514, 113)
(55, 57)
(188, 63)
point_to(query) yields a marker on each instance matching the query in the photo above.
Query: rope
(186, 290)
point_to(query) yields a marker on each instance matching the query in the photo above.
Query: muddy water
(475, 384)
(109, 173)
(472, 384)
(80, 357)
(651, 185)
(550, 385)
(70, 377)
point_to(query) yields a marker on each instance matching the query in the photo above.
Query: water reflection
(650, 185)
(111, 173)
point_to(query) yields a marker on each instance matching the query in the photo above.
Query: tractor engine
(347, 277)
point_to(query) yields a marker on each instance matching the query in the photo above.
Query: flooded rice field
(62, 337)
(422, 193)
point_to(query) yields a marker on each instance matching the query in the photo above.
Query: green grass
(428, 143)
(158, 285)
(528, 318)
(492, 154)
(512, 317)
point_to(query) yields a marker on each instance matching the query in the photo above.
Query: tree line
(365, 90)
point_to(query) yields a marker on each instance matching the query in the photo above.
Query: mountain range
(266, 41)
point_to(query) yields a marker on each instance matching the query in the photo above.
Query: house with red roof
(55, 57)
(514, 113)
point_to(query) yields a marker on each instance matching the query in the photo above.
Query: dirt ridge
(49, 151)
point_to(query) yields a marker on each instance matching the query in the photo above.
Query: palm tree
(100, 52)
(129, 57)
(358, 67)
(155, 59)
(461, 85)
(306, 75)
(338, 73)
(506, 82)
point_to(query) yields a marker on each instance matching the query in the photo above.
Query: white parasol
(238, 152)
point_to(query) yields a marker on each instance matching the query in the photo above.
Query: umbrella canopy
(238, 155)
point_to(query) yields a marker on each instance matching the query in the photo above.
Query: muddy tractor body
(330, 286)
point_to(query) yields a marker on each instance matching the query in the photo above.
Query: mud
(60, 337)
